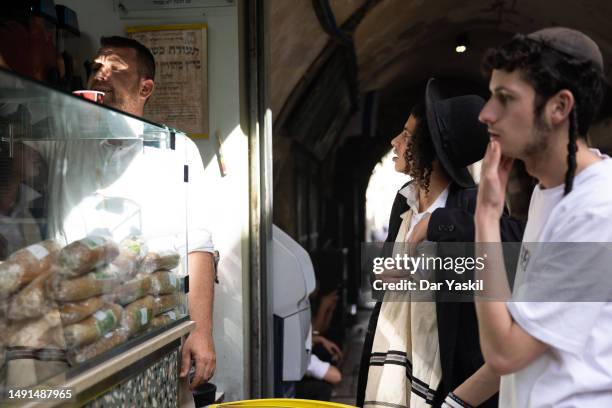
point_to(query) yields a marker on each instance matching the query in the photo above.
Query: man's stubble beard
(540, 138)
(123, 103)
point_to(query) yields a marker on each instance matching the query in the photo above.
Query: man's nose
(394, 140)
(487, 114)
(103, 73)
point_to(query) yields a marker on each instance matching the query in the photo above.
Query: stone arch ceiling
(296, 40)
(402, 42)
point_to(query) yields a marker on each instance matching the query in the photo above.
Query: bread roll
(74, 312)
(42, 332)
(163, 282)
(107, 342)
(24, 265)
(134, 289)
(31, 301)
(155, 261)
(91, 329)
(85, 254)
(165, 319)
(131, 252)
(137, 315)
(165, 303)
(101, 281)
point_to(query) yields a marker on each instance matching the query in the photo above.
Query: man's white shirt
(576, 370)
(127, 188)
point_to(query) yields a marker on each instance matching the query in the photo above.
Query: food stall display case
(93, 252)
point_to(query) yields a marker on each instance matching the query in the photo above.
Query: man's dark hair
(146, 61)
(549, 71)
(420, 153)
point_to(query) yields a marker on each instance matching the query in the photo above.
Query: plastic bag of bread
(74, 312)
(155, 261)
(91, 329)
(86, 254)
(131, 252)
(137, 315)
(133, 289)
(24, 265)
(163, 282)
(31, 301)
(165, 319)
(107, 342)
(165, 303)
(102, 280)
(42, 332)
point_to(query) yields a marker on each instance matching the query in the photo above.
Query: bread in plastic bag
(24, 265)
(105, 343)
(165, 303)
(31, 301)
(165, 319)
(92, 328)
(137, 315)
(74, 312)
(100, 281)
(131, 253)
(83, 255)
(156, 261)
(134, 289)
(42, 332)
(163, 282)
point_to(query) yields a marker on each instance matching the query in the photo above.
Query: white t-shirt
(317, 368)
(576, 370)
(127, 188)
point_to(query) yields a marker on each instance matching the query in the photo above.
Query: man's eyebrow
(501, 88)
(109, 54)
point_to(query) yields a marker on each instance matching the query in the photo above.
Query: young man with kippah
(552, 345)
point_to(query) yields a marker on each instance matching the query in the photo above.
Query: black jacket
(460, 354)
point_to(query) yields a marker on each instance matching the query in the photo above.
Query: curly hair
(548, 71)
(420, 152)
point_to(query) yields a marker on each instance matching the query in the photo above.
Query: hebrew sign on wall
(180, 98)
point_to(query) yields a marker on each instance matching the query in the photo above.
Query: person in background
(326, 307)
(427, 353)
(551, 343)
(322, 372)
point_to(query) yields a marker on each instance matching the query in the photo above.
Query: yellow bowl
(280, 402)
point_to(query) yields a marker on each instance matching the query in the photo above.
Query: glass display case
(93, 233)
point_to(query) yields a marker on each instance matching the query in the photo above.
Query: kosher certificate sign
(180, 98)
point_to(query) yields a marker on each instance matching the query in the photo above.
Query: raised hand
(493, 181)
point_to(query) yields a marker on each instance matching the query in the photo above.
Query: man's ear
(561, 104)
(146, 88)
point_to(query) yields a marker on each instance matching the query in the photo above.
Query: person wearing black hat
(552, 341)
(421, 351)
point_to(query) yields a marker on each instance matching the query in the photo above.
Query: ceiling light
(461, 43)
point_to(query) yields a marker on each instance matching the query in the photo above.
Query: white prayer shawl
(404, 366)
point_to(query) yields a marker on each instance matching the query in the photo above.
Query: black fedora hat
(458, 137)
